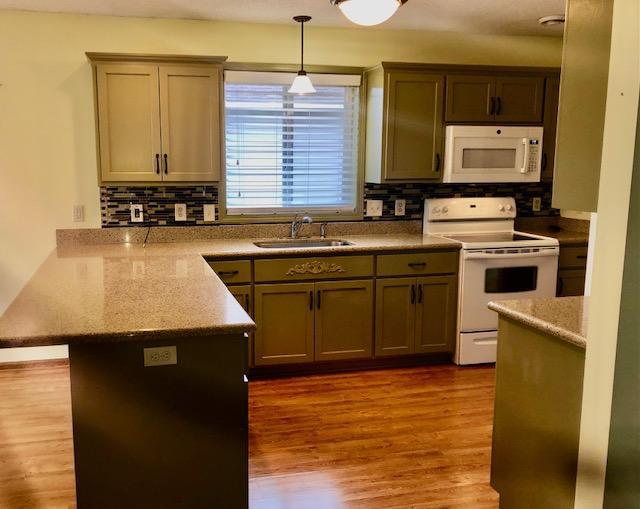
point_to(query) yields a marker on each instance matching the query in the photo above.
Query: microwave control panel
(534, 155)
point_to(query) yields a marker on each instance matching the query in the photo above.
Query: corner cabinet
(158, 121)
(404, 126)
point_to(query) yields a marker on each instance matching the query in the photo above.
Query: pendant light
(302, 84)
(368, 12)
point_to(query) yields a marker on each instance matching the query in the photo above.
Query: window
(288, 153)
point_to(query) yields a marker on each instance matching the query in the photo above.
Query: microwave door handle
(489, 256)
(525, 155)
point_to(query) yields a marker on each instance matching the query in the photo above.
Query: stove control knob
(445, 209)
(436, 210)
(509, 207)
(501, 208)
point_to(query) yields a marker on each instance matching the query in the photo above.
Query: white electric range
(496, 263)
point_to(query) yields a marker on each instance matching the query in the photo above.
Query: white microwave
(492, 154)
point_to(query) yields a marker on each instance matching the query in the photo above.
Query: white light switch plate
(400, 207)
(374, 208)
(78, 213)
(137, 214)
(537, 204)
(209, 212)
(181, 211)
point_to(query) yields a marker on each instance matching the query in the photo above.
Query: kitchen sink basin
(298, 243)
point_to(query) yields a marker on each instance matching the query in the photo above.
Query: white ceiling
(475, 16)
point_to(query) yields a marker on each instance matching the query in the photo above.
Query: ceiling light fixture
(556, 19)
(302, 84)
(368, 12)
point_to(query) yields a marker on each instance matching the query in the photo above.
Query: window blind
(290, 153)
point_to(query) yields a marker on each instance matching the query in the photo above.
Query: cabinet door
(190, 111)
(519, 99)
(436, 314)
(128, 122)
(344, 320)
(395, 316)
(550, 117)
(571, 282)
(243, 296)
(414, 126)
(469, 98)
(284, 320)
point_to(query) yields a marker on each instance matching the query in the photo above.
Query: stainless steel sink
(298, 243)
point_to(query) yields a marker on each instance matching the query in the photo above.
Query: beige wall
(47, 151)
(619, 145)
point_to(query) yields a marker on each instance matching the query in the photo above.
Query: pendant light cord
(302, 46)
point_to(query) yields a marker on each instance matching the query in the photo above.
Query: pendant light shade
(368, 12)
(302, 84)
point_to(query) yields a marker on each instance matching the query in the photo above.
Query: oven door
(489, 276)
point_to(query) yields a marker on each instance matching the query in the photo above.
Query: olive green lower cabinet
(415, 315)
(243, 296)
(303, 322)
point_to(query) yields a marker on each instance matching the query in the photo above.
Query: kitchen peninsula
(158, 351)
(539, 375)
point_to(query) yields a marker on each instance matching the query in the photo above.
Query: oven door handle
(508, 256)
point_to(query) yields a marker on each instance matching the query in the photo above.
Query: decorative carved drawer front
(301, 269)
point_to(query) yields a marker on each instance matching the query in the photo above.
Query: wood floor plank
(384, 439)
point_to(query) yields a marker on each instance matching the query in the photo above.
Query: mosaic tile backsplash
(159, 202)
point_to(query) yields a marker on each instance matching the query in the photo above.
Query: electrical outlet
(537, 204)
(209, 212)
(137, 214)
(160, 356)
(78, 213)
(181, 211)
(400, 207)
(374, 208)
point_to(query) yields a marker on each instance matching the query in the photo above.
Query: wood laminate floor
(401, 438)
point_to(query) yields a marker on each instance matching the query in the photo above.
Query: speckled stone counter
(563, 317)
(123, 292)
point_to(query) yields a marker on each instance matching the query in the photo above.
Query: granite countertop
(563, 317)
(565, 237)
(120, 292)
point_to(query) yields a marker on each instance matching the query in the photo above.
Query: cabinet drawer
(316, 268)
(417, 264)
(573, 257)
(233, 271)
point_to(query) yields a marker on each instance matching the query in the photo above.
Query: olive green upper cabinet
(583, 95)
(190, 122)
(404, 126)
(500, 99)
(129, 122)
(158, 121)
(470, 98)
(551, 93)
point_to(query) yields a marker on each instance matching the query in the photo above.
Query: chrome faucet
(297, 224)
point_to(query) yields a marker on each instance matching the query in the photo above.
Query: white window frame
(278, 215)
